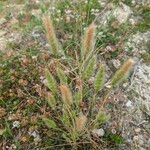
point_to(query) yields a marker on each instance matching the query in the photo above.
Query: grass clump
(71, 91)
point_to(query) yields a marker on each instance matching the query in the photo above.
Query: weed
(116, 139)
(73, 123)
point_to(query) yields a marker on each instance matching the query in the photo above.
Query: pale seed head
(80, 122)
(66, 95)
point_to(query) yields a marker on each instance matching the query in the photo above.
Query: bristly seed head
(66, 95)
(122, 73)
(80, 122)
(89, 40)
(51, 36)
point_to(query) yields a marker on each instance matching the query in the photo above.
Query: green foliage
(144, 25)
(8, 132)
(28, 22)
(128, 2)
(50, 123)
(116, 139)
(107, 37)
(101, 118)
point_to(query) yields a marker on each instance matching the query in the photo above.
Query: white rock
(116, 63)
(34, 134)
(45, 82)
(122, 13)
(16, 124)
(113, 131)
(99, 132)
(37, 139)
(135, 138)
(137, 130)
(129, 104)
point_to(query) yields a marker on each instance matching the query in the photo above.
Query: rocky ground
(131, 107)
(135, 105)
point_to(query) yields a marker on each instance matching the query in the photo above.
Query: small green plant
(114, 138)
(75, 86)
